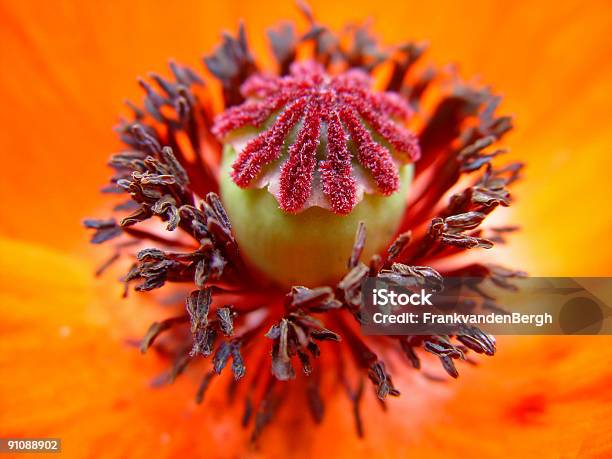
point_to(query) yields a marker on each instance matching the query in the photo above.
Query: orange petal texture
(67, 368)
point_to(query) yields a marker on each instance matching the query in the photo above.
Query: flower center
(318, 140)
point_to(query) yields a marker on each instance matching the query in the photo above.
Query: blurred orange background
(67, 67)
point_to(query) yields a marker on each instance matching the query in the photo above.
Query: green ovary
(310, 248)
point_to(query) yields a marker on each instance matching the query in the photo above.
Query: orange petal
(68, 372)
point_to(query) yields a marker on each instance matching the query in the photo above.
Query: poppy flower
(254, 343)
